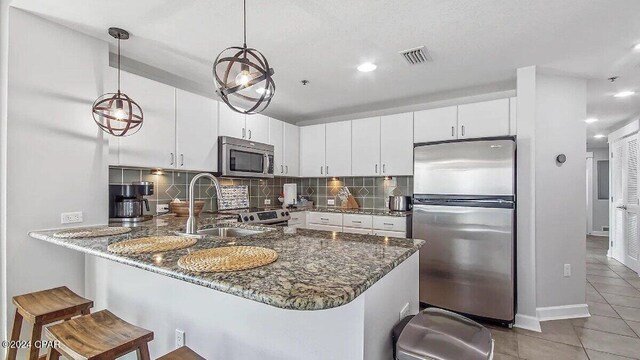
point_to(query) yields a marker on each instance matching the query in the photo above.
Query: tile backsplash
(369, 192)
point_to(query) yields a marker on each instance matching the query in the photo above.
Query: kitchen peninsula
(328, 296)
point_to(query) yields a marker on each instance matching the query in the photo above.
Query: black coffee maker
(126, 202)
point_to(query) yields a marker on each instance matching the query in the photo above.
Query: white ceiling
(473, 44)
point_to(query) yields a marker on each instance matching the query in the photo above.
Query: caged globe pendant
(116, 113)
(243, 77)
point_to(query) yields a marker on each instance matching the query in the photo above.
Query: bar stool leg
(143, 352)
(15, 335)
(53, 354)
(36, 334)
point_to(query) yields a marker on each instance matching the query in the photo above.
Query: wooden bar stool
(182, 353)
(45, 307)
(100, 335)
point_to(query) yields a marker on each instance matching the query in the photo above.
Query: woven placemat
(92, 232)
(229, 258)
(152, 244)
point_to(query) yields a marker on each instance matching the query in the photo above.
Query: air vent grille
(416, 56)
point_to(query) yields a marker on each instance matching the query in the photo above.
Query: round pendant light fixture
(116, 113)
(243, 77)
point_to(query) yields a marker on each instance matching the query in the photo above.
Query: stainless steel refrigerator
(464, 207)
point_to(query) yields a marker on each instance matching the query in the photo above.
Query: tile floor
(612, 332)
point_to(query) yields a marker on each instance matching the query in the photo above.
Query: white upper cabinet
(231, 123)
(435, 124)
(276, 138)
(396, 144)
(483, 119)
(338, 149)
(197, 132)
(291, 150)
(365, 147)
(312, 151)
(154, 144)
(257, 128)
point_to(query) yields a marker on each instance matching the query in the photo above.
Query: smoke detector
(416, 56)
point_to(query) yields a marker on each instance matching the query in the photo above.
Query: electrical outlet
(267, 201)
(71, 217)
(331, 202)
(179, 338)
(162, 208)
(567, 270)
(405, 311)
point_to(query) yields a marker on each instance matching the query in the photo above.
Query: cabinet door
(338, 149)
(312, 147)
(365, 147)
(154, 145)
(291, 150)
(231, 123)
(276, 133)
(483, 119)
(196, 132)
(435, 124)
(396, 144)
(257, 128)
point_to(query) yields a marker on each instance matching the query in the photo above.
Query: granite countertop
(315, 269)
(354, 211)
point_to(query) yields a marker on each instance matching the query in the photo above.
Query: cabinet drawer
(390, 223)
(367, 231)
(324, 218)
(324, 227)
(395, 234)
(298, 218)
(357, 221)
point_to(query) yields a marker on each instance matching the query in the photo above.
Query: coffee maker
(126, 202)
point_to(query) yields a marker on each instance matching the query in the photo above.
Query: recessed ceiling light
(366, 67)
(637, 47)
(622, 94)
(599, 136)
(590, 120)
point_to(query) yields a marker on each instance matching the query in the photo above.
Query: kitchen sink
(226, 232)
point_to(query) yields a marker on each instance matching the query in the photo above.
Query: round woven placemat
(229, 258)
(92, 232)
(152, 244)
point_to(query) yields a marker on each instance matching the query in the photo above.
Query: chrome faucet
(192, 222)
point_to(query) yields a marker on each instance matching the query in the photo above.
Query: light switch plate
(267, 201)
(162, 208)
(71, 217)
(567, 270)
(331, 202)
(179, 338)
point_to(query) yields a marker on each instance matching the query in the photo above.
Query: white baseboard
(527, 322)
(563, 312)
(599, 233)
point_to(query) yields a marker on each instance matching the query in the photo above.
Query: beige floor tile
(635, 325)
(626, 290)
(597, 355)
(609, 343)
(607, 272)
(498, 356)
(634, 282)
(505, 342)
(629, 301)
(558, 331)
(603, 323)
(595, 279)
(602, 309)
(627, 313)
(540, 349)
(598, 267)
(596, 297)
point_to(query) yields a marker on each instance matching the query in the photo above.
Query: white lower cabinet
(390, 223)
(334, 219)
(396, 234)
(357, 221)
(353, 223)
(324, 227)
(357, 231)
(298, 220)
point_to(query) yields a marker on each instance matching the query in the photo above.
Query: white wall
(56, 155)
(561, 107)
(4, 38)
(600, 206)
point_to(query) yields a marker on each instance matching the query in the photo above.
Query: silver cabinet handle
(181, 159)
(462, 130)
(324, 219)
(287, 169)
(327, 169)
(321, 170)
(376, 168)
(172, 159)
(356, 222)
(249, 134)
(453, 129)
(390, 224)
(281, 169)
(623, 207)
(384, 170)
(244, 132)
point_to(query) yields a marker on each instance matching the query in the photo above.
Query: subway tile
(603, 323)
(180, 178)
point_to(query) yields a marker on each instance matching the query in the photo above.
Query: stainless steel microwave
(244, 158)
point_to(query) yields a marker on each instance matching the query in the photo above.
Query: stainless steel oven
(244, 158)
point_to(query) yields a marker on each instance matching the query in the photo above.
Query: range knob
(251, 218)
(282, 213)
(286, 213)
(245, 218)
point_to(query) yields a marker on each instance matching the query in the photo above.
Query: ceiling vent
(416, 56)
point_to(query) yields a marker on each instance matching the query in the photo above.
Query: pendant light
(243, 77)
(116, 113)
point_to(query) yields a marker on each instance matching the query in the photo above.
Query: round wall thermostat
(561, 159)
